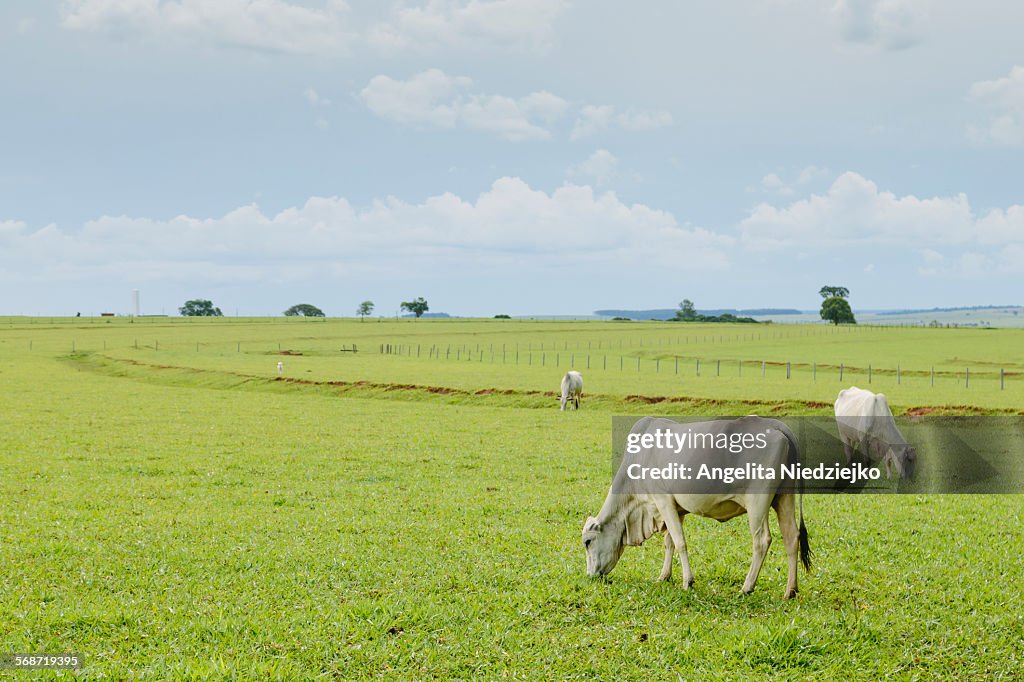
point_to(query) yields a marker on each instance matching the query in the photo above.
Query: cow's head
(603, 547)
(902, 459)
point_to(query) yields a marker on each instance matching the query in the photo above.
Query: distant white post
(135, 301)
(280, 368)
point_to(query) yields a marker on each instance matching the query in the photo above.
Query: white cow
(866, 425)
(630, 517)
(572, 389)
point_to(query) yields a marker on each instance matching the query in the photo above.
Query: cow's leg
(670, 550)
(762, 539)
(674, 528)
(848, 451)
(785, 509)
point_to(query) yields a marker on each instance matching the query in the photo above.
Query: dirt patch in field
(646, 399)
(289, 352)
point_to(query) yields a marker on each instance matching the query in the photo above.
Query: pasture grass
(183, 514)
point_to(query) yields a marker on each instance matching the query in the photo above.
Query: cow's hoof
(664, 577)
(688, 584)
(791, 594)
(746, 591)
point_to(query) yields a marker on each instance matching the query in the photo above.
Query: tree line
(201, 307)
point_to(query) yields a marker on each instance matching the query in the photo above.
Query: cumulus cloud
(526, 25)
(855, 212)
(435, 99)
(274, 25)
(1004, 97)
(888, 24)
(510, 222)
(772, 183)
(599, 166)
(595, 118)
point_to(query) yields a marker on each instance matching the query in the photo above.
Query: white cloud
(1005, 98)
(327, 234)
(599, 166)
(773, 183)
(592, 119)
(855, 212)
(433, 98)
(595, 118)
(274, 25)
(889, 24)
(811, 173)
(526, 25)
(314, 98)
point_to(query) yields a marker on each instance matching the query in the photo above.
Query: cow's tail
(805, 543)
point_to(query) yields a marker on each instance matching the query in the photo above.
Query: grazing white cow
(630, 518)
(866, 425)
(572, 389)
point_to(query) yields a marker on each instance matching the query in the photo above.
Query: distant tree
(503, 316)
(829, 292)
(199, 307)
(836, 310)
(364, 309)
(687, 311)
(304, 310)
(417, 307)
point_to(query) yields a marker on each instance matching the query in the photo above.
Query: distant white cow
(572, 389)
(866, 425)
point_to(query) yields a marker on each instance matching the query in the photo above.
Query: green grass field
(174, 510)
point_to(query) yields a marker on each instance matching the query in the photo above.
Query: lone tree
(417, 307)
(364, 309)
(304, 310)
(835, 308)
(686, 311)
(199, 307)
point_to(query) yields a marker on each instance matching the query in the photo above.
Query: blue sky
(509, 156)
